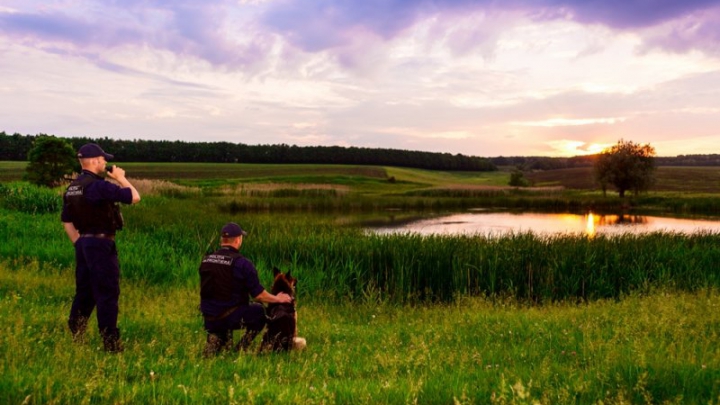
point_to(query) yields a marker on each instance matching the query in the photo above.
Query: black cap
(232, 230)
(91, 150)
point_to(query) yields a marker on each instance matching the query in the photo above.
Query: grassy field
(656, 348)
(671, 179)
(389, 319)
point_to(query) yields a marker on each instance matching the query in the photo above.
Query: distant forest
(16, 147)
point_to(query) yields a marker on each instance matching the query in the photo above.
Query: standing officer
(227, 281)
(91, 217)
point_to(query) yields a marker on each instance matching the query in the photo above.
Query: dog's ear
(288, 274)
(276, 271)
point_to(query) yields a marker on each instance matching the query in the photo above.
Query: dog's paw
(299, 343)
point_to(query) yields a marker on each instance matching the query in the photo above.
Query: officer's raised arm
(118, 174)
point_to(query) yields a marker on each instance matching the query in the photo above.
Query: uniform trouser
(249, 317)
(97, 284)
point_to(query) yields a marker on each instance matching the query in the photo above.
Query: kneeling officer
(227, 281)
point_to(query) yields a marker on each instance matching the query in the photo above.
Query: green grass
(338, 262)
(28, 198)
(438, 178)
(389, 319)
(12, 171)
(656, 348)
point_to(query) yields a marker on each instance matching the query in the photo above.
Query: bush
(517, 179)
(52, 160)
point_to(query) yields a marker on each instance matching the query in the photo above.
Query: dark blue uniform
(227, 282)
(90, 204)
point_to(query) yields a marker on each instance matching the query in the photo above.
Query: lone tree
(626, 166)
(51, 160)
(517, 179)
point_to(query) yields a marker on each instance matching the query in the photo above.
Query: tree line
(17, 146)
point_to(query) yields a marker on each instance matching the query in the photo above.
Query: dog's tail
(299, 343)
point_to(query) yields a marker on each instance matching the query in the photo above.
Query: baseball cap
(232, 230)
(91, 150)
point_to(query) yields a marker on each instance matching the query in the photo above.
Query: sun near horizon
(570, 148)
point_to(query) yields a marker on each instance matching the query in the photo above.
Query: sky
(482, 78)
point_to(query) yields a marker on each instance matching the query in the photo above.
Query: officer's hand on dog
(283, 298)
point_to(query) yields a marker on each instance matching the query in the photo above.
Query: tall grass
(165, 238)
(293, 199)
(28, 198)
(658, 348)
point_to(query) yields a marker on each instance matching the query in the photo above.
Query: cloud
(565, 122)
(186, 28)
(55, 27)
(695, 31)
(628, 14)
(242, 35)
(317, 25)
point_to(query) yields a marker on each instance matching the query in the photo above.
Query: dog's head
(284, 282)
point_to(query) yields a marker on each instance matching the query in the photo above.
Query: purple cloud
(182, 27)
(322, 24)
(628, 14)
(696, 31)
(63, 28)
(205, 29)
(315, 25)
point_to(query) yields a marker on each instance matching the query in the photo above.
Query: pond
(500, 223)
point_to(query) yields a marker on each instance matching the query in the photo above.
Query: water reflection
(590, 228)
(591, 224)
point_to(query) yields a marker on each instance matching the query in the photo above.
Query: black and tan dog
(281, 333)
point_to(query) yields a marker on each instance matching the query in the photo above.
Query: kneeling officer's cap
(232, 230)
(91, 150)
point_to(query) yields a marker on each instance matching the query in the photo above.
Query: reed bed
(280, 190)
(154, 187)
(165, 239)
(294, 201)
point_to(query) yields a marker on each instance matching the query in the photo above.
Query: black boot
(212, 345)
(77, 328)
(217, 342)
(111, 342)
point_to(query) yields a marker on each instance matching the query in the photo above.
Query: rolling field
(375, 179)
(388, 318)
(673, 179)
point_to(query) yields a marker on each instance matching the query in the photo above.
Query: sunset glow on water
(591, 224)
